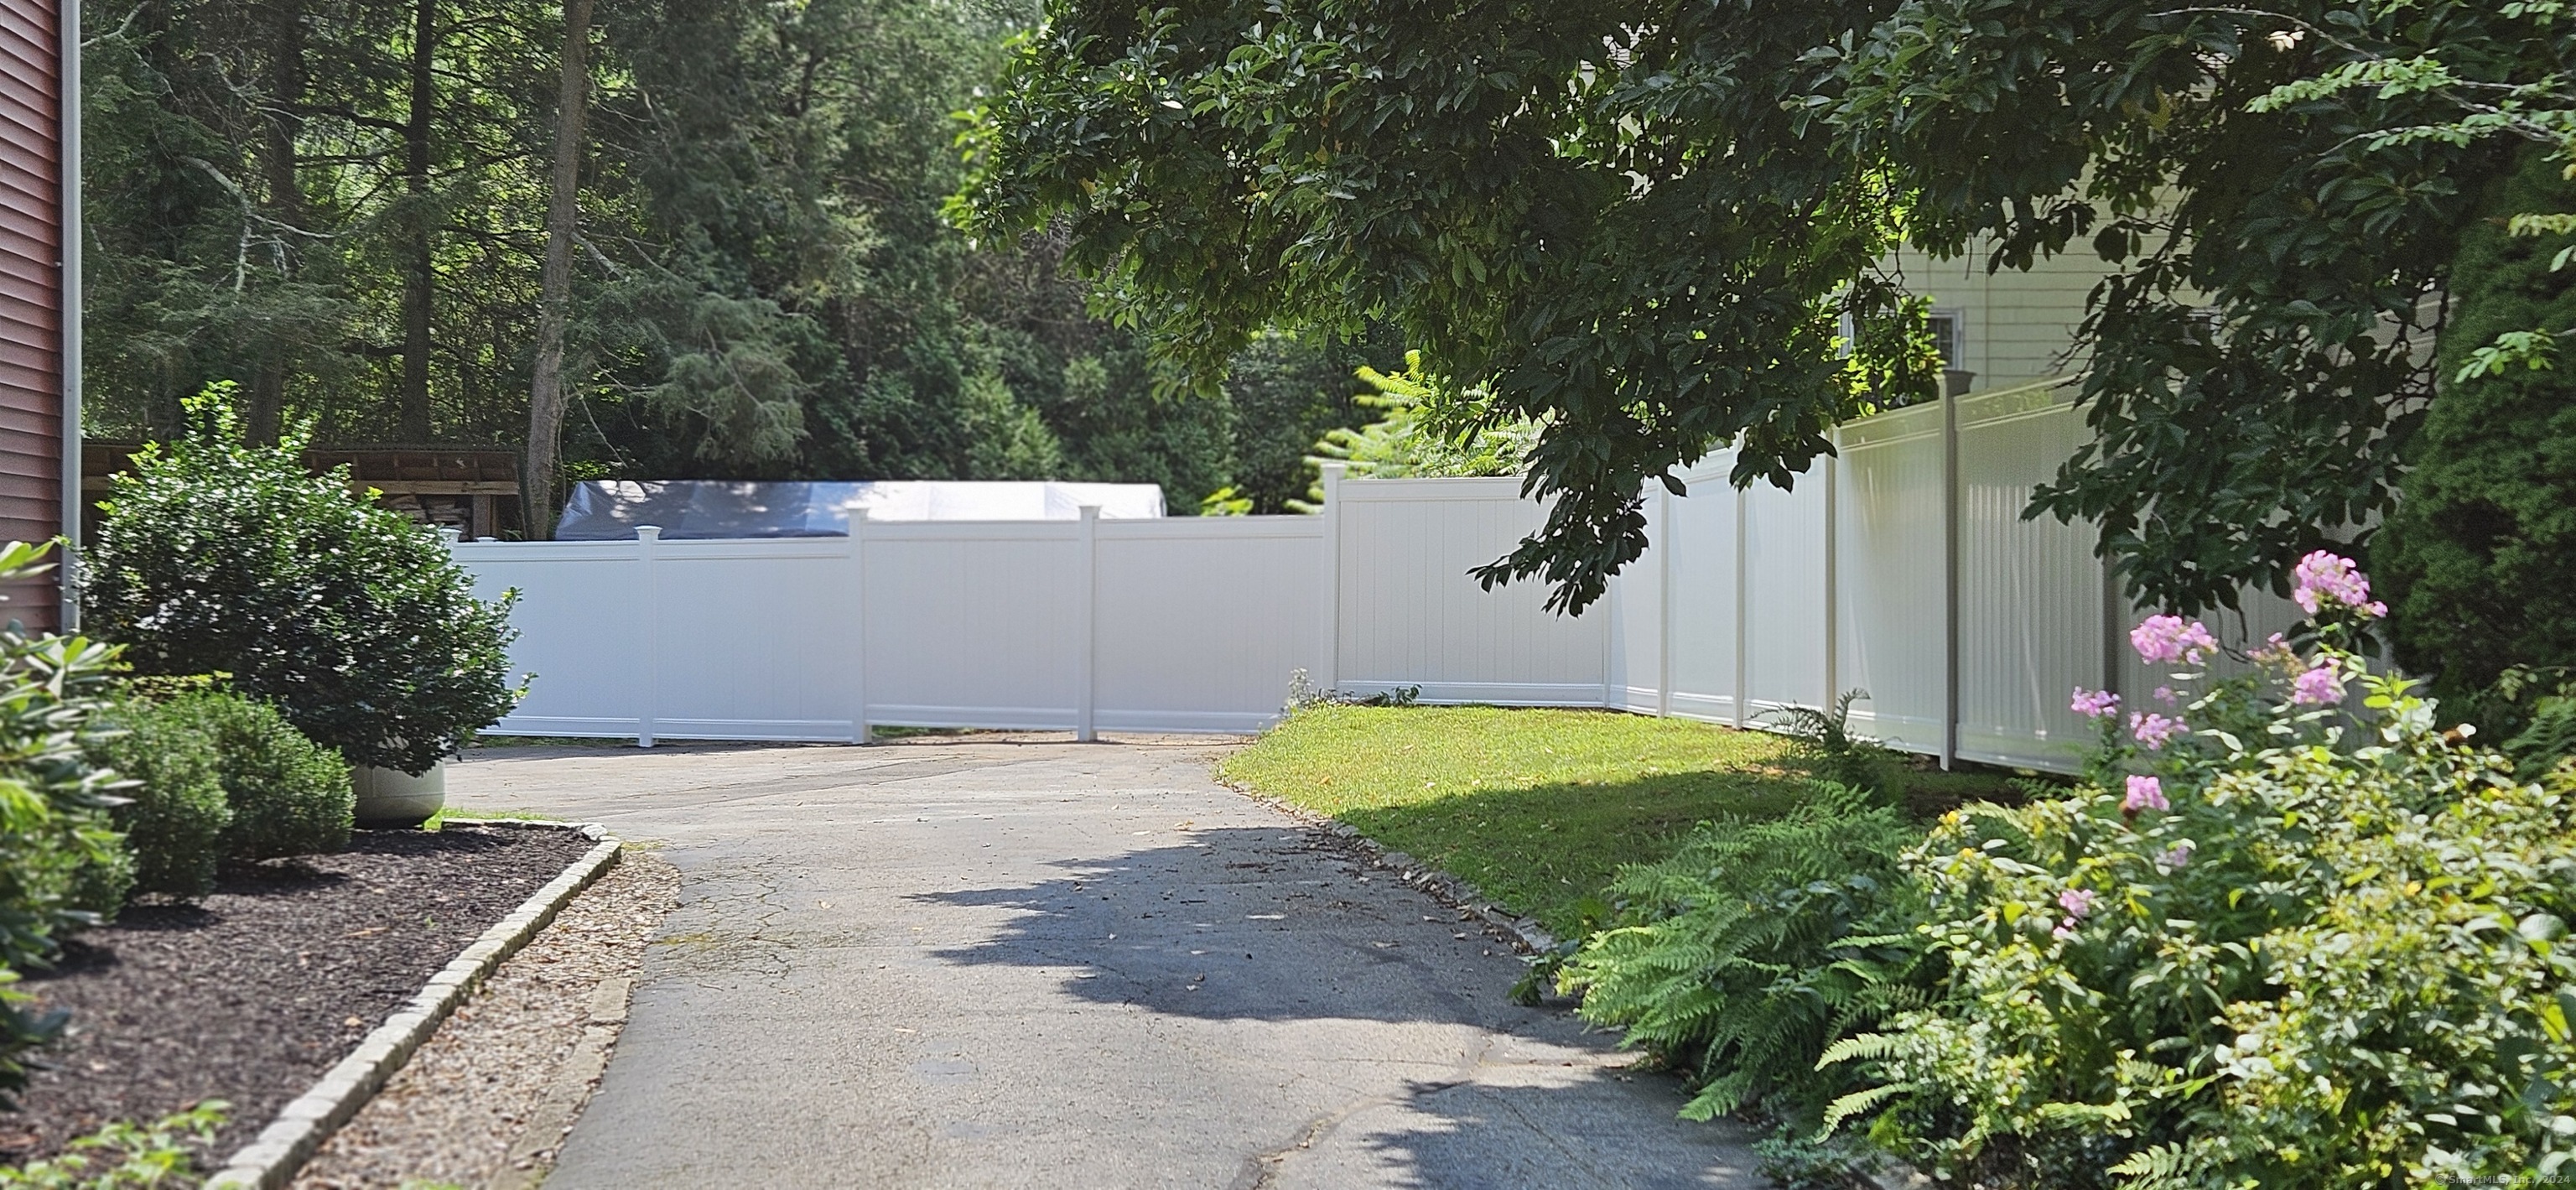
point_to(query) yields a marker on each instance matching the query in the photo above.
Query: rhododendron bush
(2290, 933)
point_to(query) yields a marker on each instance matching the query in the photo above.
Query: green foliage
(55, 834)
(61, 861)
(1796, 1160)
(175, 817)
(2547, 739)
(765, 285)
(1637, 226)
(1288, 393)
(220, 555)
(1535, 196)
(2326, 948)
(1837, 755)
(127, 1156)
(289, 795)
(1757, 944)
(2481, 555)
(1225, 501)
(1425, 428)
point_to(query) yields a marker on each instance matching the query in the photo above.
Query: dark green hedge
(2481, 556)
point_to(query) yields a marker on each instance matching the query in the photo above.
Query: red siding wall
(31, 297)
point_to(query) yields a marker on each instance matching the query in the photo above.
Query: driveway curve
(992, 961)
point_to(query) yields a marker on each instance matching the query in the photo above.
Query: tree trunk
(286, 81)
(417, 282)
(554, 287)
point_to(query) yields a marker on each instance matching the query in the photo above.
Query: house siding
(2017, 325)
(31, 289)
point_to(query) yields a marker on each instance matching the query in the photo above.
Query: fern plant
(1759, 943)
(1837, 753)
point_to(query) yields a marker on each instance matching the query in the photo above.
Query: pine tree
(2481, 556)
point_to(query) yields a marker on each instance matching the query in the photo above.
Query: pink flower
(2065, 930)
(2077, 902)
(2154, 730)
(2145, 793)
(2319, 687)
(2325, 580)
(2177, 855)
(2095, 704)
(2165, 695)
(2169, 638)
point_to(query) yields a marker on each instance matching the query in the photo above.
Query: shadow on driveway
(1280, 925)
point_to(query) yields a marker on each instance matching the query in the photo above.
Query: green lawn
(1537, 808)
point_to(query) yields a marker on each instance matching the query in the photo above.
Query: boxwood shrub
(289, 795)
(175, 813)
(220, 555)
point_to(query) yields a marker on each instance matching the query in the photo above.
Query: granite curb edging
(273, 1157)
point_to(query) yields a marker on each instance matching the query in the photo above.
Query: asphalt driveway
(978, 962)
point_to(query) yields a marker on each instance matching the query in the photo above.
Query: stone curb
(268, 1161)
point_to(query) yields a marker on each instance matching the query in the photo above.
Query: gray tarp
(610, 509)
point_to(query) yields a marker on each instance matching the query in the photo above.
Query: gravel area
(250, 996)
(486, 1100)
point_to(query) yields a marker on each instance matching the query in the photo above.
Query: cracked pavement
(998, 961)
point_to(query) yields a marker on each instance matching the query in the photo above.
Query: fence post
(1951, 544)
(860, 733)
(1664, 604)
(1329, 674)
(648, 545)
(1833, 580)
(2113, 613)
(1090, 601)
(1743, 606)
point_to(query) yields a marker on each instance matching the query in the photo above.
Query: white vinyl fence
(1903, 567)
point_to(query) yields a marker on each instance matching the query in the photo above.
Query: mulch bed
(250, 996)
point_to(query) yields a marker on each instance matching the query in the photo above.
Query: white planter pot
(394, 798)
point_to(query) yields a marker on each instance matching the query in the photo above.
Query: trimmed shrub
(1742, 956)
(175, 815)
(289, 795)
(219, 555)
(2480, 556)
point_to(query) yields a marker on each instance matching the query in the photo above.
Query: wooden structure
(471, 489)
(39, 334)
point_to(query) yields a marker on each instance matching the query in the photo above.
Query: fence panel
(1702, 548)
(974, 624)
(1204, 620)
(1788, 612)
(1890, 627)
(1640, 680)
(2031, 599)
(750, 640)
(583, 618)
(1409, 615)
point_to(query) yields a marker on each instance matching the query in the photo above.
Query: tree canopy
(1660, 229)
(342, 204)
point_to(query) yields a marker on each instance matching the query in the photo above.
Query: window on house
(1946, 325)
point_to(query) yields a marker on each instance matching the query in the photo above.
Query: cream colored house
(2011, 327)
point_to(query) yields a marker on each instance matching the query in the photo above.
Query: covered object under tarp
(611, 509)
